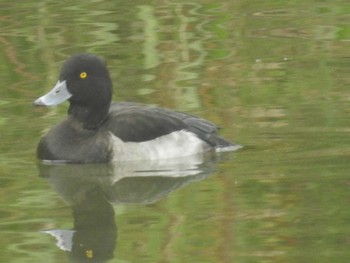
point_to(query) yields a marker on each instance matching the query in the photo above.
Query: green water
(273, 74)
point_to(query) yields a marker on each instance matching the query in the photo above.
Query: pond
(274, 75)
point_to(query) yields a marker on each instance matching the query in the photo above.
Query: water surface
(273, 74)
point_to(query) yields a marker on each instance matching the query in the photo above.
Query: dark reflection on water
(91, 190)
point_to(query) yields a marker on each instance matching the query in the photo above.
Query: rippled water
(273, 74)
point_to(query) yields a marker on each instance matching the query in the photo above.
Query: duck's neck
(91, 118)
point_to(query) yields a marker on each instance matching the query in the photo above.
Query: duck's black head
(85, 82)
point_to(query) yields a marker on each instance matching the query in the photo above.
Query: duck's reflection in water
(92, 189)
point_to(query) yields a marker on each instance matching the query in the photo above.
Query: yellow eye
(83, 75)
(89, 253)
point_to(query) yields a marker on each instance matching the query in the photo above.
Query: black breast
(69, 142)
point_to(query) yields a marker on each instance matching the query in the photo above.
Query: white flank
(174, 145)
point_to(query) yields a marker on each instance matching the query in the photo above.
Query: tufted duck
(97, 130)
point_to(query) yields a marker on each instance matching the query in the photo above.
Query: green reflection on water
(273, 74)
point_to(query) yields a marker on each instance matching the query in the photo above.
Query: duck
(98, 130)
